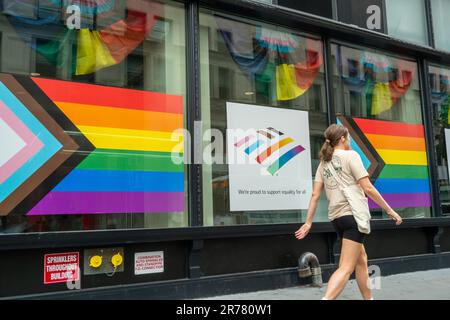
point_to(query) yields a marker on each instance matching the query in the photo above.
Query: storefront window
(440, 10)
(378, 99)
(406, 20)
(91, 93)
(440, 90)
(322, 8)
(268, 82)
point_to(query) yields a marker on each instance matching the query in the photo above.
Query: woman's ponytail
(332, 136)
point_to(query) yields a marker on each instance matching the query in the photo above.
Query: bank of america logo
(278, 149)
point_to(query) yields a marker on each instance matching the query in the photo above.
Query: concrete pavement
(422, 285)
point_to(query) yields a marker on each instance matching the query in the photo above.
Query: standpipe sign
(61, 267)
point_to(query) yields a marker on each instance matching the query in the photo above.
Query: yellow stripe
(403, 157)
(127, 139)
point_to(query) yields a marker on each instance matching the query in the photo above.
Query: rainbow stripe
(132, 168)
(274, 147)
(254, 146)
(403, 181)
(253, 142)
(281, 161)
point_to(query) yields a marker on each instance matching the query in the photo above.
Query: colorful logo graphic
(277, 143)
(394, 154)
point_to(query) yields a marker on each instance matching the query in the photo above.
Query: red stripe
(67, 91)
(390, 128)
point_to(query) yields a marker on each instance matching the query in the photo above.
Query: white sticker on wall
(148, 262)
(269, 158)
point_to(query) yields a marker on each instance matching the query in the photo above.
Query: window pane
(90, 119)
(407, 20)
(322, 8)
(440, 10)
(259, 70)
(378, 99)
(440, 90)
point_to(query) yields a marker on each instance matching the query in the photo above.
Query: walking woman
(348, 165)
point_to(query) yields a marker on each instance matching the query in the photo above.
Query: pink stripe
(32, 146)
(243, 140)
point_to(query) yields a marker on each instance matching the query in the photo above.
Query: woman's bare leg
(350, 252)
(362, 275)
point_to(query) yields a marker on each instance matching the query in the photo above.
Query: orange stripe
(99, 116)
(387, 142)
(266, 153)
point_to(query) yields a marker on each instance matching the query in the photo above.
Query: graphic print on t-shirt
(330, 182)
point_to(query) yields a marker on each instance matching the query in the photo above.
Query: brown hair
(332, 136)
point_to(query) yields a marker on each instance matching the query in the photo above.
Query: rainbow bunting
(382, 82)
(131, 169)
(273, 58)
(89, 48)
(440, 96)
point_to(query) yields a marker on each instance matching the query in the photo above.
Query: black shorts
(347, 228)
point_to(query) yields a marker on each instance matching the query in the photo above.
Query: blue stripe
(402, 185)
(51, 144)
(121, 180)
(252, 147)
(355, 147)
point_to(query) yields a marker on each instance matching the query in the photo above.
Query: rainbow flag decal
(131, 168)
(395, 156)
(271, 142)
(34, 146)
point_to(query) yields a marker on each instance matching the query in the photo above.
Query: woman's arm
(303, 230)
(373, 193)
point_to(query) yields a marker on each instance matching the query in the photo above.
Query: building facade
(116, 179)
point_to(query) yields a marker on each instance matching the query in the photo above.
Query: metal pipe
(309, 266)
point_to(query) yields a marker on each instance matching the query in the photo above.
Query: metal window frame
(430, 26)
(193, 97)
(427, 115)
(55, 240)
(329, 87)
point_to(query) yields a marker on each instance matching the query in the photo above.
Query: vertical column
(194, 114)
(328, 64)
(429, 136)
(429, 17)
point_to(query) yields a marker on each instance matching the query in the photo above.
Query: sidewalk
(423, 285)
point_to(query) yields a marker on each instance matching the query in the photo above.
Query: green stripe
(404, 172)
(131, 160)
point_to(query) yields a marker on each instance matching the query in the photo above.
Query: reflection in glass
(440, 90)
(406, 20)
(108, 83)
(440, 10)
(378, 99)
(248, 62)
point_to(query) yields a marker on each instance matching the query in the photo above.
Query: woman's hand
(303, 231)
(395, 216)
